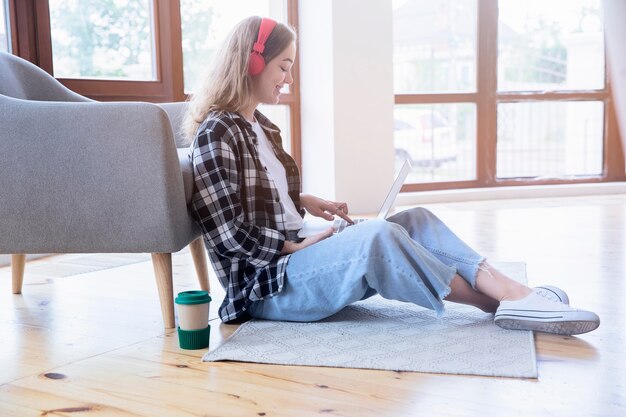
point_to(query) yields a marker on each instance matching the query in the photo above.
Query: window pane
(102, 39)
(279, 115)
(4, 27)
(438, 139)
(550, 45)
(434, 46)
(552, 139)
(206, 23)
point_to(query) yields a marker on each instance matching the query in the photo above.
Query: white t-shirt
(276, 172)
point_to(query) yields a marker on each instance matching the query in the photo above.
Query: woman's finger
(343, 207)
(344, 216)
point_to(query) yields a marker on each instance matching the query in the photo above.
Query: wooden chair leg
(18, 263)
(162, 263)
(198, 253)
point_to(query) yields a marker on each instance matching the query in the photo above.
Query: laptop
(312, 227)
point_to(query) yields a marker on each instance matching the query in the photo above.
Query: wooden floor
(86, 338)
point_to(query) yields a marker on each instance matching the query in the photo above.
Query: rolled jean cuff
(443, 292)
(469, 271)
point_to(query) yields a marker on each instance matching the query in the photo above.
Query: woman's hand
(291, 247)
(325, 209)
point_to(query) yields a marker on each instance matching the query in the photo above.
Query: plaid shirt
(238, 209)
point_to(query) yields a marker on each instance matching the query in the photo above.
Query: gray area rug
(390, 335)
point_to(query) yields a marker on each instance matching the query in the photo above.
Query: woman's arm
(320, 208)
(323, 208)
(291, 247)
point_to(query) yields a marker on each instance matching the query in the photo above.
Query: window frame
(487, 97)
(31, 40)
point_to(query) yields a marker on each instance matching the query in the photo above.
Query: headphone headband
(267, 26)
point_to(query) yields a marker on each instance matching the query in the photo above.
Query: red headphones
(256, 62)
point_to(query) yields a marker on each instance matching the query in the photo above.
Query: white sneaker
(552, 292)
(542, 314)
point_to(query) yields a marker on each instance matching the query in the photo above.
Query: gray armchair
(80, 176)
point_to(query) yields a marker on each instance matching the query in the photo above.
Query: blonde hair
(227, 86)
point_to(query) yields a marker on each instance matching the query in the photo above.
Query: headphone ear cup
(256, 64)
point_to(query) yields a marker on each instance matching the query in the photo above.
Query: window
(434, 59)
(550, 46)
(438, 139)
(502, 92)
(95, 39)
(550, 139)
(434, 46)
(4, 27)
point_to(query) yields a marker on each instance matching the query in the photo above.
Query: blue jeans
(412, 257)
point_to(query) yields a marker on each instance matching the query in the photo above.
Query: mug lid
(193, 297)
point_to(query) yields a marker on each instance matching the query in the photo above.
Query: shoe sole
(568, 328)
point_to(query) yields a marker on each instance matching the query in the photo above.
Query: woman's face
(277, 72)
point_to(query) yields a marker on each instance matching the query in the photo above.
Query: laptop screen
(395, 189)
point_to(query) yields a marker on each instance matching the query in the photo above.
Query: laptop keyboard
(339, 224)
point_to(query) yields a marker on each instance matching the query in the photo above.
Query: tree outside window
(110, 39)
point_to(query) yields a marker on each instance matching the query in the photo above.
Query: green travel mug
(193, 319)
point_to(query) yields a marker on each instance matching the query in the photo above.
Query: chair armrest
(89, 177)
(176, 113)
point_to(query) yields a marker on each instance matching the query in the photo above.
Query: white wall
(347, 100)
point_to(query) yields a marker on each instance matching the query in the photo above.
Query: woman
(247, 201)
